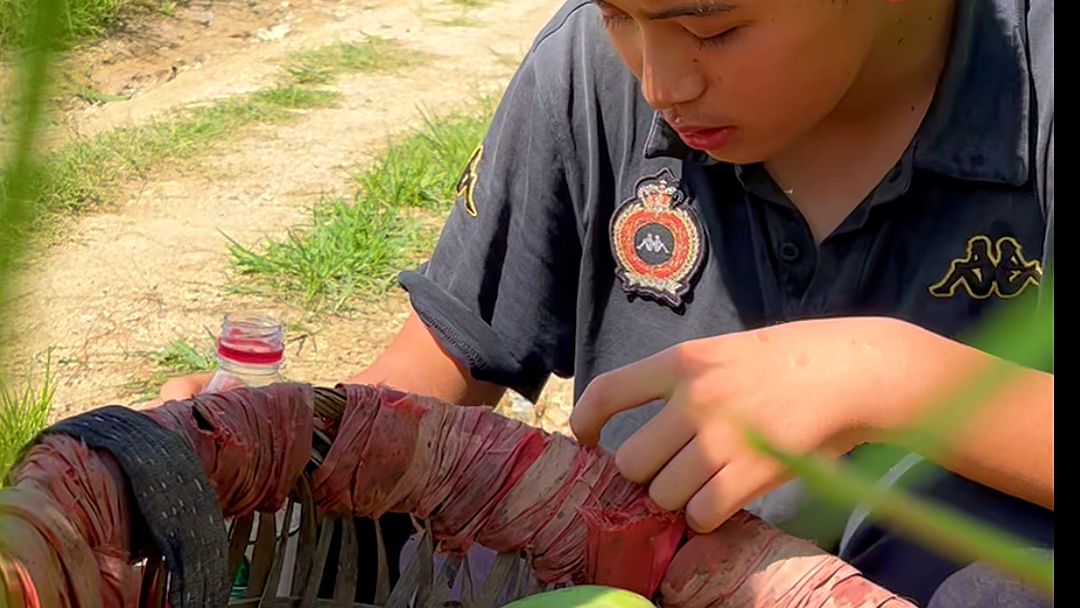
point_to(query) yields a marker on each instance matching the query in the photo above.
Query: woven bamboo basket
(269, 541)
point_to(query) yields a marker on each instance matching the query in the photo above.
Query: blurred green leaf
(944, 529)
(19, 178)
(1020, 334)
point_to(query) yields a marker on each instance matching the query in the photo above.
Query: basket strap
(444, 581)
(322, 550)
(173, 496)
(269, 596)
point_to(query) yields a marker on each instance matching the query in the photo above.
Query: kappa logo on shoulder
(989, 268)
(467, 182)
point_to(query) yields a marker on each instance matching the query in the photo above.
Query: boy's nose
(669, 77)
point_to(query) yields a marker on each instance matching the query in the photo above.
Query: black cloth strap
(173, 496)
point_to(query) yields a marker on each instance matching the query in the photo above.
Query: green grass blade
(1019, 334)
(934, 526)
(23, 413)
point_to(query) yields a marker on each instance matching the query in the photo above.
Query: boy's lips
(704, 137)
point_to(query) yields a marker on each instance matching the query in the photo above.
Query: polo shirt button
(789, 252)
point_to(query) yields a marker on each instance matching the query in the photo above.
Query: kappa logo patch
(467, 182)
(657, 241)
(989, 268)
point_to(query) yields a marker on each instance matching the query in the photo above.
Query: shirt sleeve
(1041, 48)
(500, 288)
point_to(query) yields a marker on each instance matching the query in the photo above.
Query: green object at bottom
(591, 596)
(240, 581)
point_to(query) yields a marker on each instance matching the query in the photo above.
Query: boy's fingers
(731, 489)
(622, 389)
(184, 387)
(660, 443)
(691, 466)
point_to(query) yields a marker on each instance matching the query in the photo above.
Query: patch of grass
(509, 60)
(423, 168)
(183, 358)
(79, 19)
(178, 358)
(355, 248)
(323, 65)
(23, 412)
(294, 97)
(86, 173)
(348, 249)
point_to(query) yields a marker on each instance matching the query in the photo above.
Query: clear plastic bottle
(250, 351)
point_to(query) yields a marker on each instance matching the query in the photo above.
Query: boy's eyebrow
(695, 8)
(706, 8)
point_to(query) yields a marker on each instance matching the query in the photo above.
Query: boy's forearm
(1007, 441)
(415, 362)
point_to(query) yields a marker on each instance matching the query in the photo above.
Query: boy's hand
(809, 386)
(181, 388)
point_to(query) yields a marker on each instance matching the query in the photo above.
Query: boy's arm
(824, 385)
(416, 362)
(1008, 444)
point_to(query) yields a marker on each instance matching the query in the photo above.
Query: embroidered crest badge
(657, 241)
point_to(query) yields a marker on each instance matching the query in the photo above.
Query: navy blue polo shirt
(587, 236)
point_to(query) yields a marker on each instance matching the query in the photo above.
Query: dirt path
(153, 269)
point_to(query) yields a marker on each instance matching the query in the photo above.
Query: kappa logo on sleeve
(467, 182)
(989, 268)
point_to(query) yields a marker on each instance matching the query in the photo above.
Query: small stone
(275, 33)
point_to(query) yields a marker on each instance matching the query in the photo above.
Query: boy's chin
(737, 153)
(731, 157)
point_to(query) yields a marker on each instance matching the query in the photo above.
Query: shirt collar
(977, 127)
(663, 141)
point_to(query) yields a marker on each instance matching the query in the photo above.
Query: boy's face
(745, 78)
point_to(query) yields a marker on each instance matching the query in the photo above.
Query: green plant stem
(16, 182)
(947, 530)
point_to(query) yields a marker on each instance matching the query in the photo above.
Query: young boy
(780, 213)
